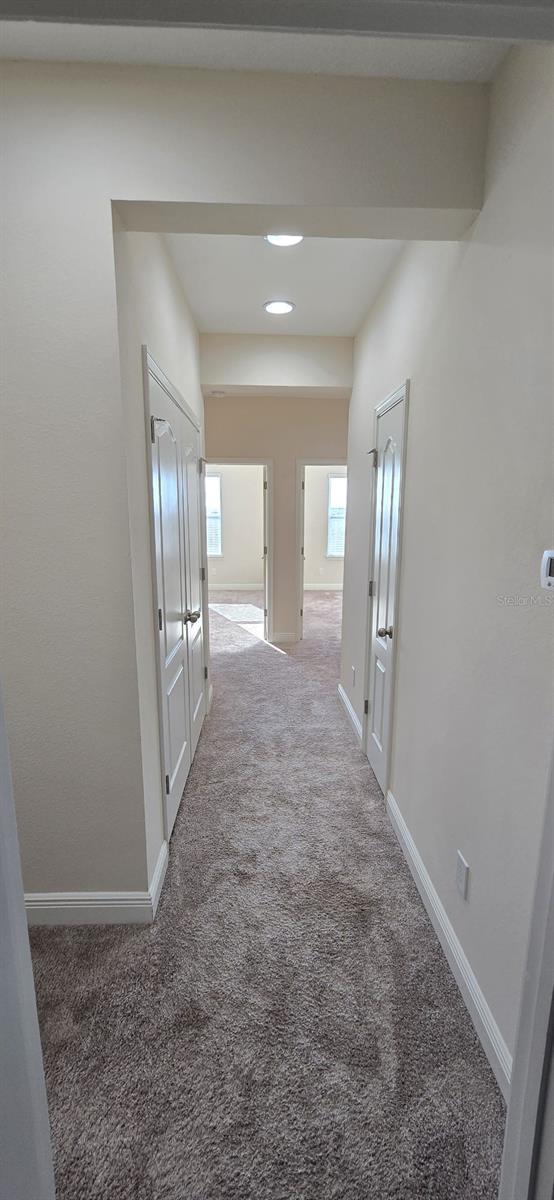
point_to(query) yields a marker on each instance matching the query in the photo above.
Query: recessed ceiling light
(284, 239)
(278, 308)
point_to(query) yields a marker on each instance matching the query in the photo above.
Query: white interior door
(177, 536)
(390, 421)
(195, 616)
(168, 497)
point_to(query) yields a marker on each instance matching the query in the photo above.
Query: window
(336, 516)
(213, 515)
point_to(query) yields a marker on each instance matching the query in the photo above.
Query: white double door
(177, 515)
(383, 633)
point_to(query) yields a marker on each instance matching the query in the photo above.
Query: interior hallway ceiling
(331, 281)
(289, 1026)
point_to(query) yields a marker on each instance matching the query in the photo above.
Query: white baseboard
(323, 587)
(99, 908)
(350, 712)
(235, 587)
(486, 1027)
(284, 639)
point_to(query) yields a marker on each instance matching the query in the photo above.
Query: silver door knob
(384, 632)
(193, 616)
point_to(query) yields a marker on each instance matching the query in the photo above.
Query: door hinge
(265, 485)
(366, 707)
(301, 612)
(375, 454)
(205, 672)
(265, 612)
(303, 486)
(201, 465)
(152, 429)
(202, 574)
(167, 785)
(370, 592)
(302, 552)
(160, 619)
(265, 551)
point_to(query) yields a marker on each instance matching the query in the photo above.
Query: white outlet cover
(462, 875)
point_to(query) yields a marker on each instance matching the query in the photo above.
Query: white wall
(471, 326)
(152, 311)
(75, 138)
(242, 527)
(320, 571)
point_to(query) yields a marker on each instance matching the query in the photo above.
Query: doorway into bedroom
(238, 543)
(321, 490)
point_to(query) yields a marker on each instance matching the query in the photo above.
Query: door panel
(170, 538)
(176, 719)
(195, 628)
(388, 494)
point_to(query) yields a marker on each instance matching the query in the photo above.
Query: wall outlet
(462, 875)
(353, 677)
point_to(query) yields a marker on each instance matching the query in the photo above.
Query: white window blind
(336, 516)
(213, 515)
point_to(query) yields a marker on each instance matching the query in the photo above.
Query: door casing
(399, 396)
(267, 464)
(300, 480)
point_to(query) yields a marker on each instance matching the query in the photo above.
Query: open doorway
(238, 540)
(321, 490)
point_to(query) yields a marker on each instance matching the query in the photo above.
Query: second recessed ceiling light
(284, 239)
(278, 308)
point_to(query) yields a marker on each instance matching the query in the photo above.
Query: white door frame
(25, 1149)
(525, 1137)
(150, 367)
(299, 491)
(267, 463)
(399, 396)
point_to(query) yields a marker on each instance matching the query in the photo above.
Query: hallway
(288, 1029)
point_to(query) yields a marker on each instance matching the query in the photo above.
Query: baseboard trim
(486, 1027)
(235, 587)
(350, 712)
(99, 908)
(323, 587)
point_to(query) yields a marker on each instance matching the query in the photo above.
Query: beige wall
(260, 364)
(471, 326)
(319, 570)
(75, 138)
(282, 430)
(241, 563)
(152, 311)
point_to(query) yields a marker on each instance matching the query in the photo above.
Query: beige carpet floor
(288, 1029)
